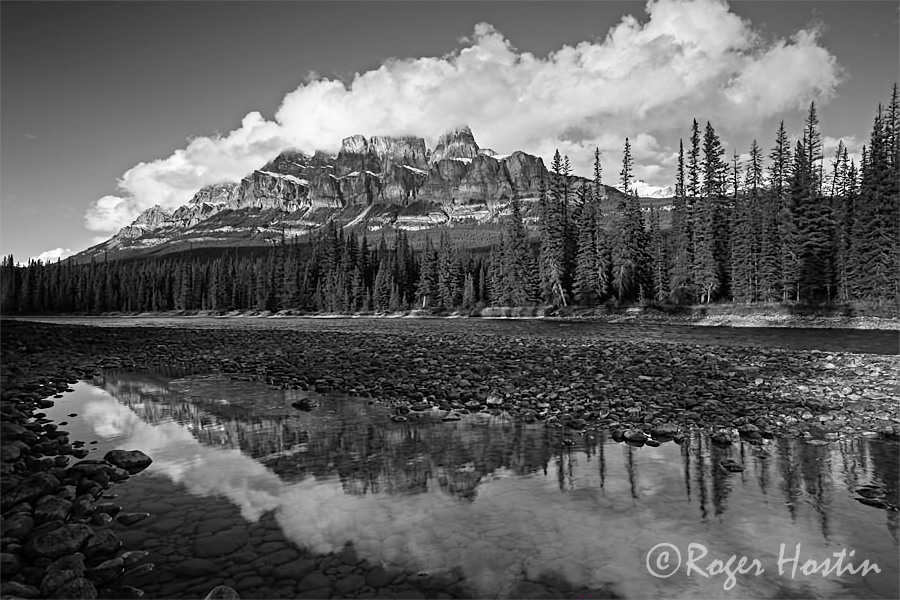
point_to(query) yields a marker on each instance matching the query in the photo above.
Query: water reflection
(504, 502)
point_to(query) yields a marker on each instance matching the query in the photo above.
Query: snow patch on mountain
(646, 190)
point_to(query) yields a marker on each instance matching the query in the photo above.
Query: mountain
(645, 190)
(377, 184)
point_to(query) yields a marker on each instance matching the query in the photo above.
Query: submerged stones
(304, 404)
(731, 465)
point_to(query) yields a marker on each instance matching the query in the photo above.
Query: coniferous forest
(792, 226)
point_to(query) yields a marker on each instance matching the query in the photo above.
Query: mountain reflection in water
(503, 501)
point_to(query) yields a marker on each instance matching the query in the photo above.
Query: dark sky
(90, 89)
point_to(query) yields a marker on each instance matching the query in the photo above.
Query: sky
(109, 108)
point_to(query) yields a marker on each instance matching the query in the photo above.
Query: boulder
(133, 461)
(66, 539)
(102, 543)
(31, 488)
(636, 436)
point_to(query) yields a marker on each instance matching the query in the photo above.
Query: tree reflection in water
(789, 487)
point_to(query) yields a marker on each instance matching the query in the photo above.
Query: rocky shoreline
(55, 540)
(55, 515)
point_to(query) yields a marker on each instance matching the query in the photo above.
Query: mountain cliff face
(371, 183)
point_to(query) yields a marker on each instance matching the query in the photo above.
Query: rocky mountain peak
(456, 143)
(289, 162)
(151, 218)
(355, 144)
(406, 150)
(217, 193)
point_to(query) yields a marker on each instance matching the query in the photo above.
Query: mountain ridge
(372, 183)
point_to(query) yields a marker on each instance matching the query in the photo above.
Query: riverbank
(646, 391)
(714, 315)
(585, 378)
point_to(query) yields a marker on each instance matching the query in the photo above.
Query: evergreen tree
(660, 260)
(680, 274)
(552, 259)
(602, 240)
(711, 232)
(586, 268)
(517, 280)
(694, 162)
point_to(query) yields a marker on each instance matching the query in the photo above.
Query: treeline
(798, 229)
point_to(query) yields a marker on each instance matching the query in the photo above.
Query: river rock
(106, 571)
(15, 589)
(18, 526)
(9, 453)
(295, 570)
(51, 508)
(129, 519)
(63, 540)
(222, 592)
(78, 588)
(664, 431)
(349, 584)
(196, 567)
(31, 488)
(749, 431)
(102, 543)
(220, 544)
(54, 580)
(9, 564)
(724, 437)
(132, 557)
(73, 562)
(378, 577)
(133, 461)
(635, 436)
(731, 465)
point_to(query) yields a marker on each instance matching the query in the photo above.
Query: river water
(482, 507)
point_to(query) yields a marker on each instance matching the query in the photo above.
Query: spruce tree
(681, 269)
(552, 248)
(586, 270)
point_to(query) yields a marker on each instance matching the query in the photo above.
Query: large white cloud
(688, 58)
(53, 255)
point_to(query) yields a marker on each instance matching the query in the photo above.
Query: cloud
(30, 136)
(646, 79)
(53, 255)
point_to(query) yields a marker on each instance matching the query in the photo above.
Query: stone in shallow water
(220, 544)
(635, 435)
(222, 592)
(378, 577)
(731, 465)
(295, 569)
(128, 519)
(315, 581)
(133, 461)
(194, 567)
(107, 571)
(103, 543)
(349, 584)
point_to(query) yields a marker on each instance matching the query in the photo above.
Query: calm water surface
(493, 501)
